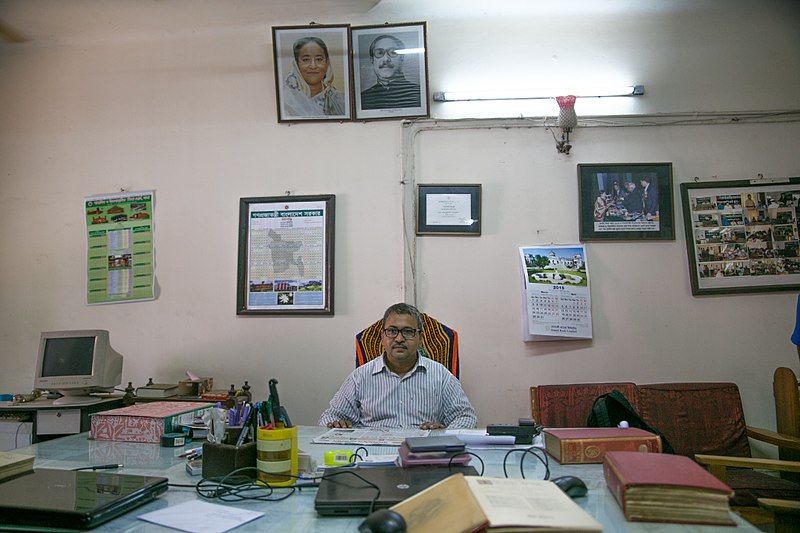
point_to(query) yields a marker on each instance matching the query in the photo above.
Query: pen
(190, 452)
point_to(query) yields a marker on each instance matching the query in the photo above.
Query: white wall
(178, 97)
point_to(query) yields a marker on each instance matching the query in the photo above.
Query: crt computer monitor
(77, 363)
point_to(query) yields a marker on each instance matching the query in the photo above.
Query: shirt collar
(422, 364)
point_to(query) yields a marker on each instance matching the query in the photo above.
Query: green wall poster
(119, 252)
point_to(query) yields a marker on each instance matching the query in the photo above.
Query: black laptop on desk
(66, 499)
(347, 491)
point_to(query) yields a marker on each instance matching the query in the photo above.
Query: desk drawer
(58, 421)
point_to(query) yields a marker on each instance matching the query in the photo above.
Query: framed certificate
(448, 209)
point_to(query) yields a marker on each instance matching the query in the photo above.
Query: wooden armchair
(784, 504)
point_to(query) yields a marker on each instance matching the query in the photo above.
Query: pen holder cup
(222, 459)
(276, 458)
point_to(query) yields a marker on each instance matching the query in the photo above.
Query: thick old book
(473, 503)
(652, 487)
(589, 445)
(157, 390)
(14, 464)
(144, 422)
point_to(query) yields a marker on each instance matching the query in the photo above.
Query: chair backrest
(439, 343)
(568, 406)
(787, 414)
(703, 417)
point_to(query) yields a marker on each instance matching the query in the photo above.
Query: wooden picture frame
(626, 202)
(304, 91)
(448, 209)
(394, 85)
(742, 236)
(286, 255)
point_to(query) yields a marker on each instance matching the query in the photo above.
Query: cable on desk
(226, 489)
(483, 466)
(355, 456)
(533, 451)
(371, 484)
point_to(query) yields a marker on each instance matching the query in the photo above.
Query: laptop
(345, 491)
(70, 499)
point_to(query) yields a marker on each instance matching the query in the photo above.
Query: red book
(588, 445)
(651, 487)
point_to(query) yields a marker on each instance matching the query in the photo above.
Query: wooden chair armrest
(717, 464)
(780, 506)
(772, 437)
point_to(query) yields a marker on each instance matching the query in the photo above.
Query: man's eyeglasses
(408, 333)
(380, 52)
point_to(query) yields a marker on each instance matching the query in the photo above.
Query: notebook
(73, 500)
(341, 493)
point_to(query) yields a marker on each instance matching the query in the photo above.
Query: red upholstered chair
(438, 342)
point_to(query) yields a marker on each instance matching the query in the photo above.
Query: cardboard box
(589, 445)
(189, 387)
(144, 422)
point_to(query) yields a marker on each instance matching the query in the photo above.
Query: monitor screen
(77, 364)
(70, 356)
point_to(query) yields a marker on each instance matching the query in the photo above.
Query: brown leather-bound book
(588, 445)
(654, 487)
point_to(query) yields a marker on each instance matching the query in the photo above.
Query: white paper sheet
(201, 517)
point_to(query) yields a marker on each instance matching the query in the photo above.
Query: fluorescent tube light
(533, 94)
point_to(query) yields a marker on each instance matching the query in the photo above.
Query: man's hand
(340, 424)
(430, 425)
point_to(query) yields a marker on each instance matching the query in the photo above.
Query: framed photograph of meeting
(390, 71)
(626, 202)
(285, 255)
(312, 72)
(444, 209)
(742, 236)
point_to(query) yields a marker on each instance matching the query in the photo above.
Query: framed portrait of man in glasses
(390, 71)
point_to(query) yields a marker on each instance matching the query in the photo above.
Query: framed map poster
(285, 255)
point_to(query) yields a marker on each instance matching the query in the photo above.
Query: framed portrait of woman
(390, 71)
(312, 72)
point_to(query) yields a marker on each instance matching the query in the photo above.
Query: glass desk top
(296, 513)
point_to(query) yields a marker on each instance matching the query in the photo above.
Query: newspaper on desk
(369, 436)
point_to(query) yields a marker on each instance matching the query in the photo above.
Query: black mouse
(572, 486)
(383, 521)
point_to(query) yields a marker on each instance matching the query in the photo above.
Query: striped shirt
(373, 395)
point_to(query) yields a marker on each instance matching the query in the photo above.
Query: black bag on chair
(608, 410)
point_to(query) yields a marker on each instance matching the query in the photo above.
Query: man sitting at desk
(400, 388)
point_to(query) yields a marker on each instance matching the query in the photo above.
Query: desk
(297, 514)
(51, 421)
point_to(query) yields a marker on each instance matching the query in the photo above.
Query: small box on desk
(144, 422)
(589, 445)
(222, 459)
(195, 387)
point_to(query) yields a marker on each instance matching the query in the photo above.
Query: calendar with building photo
(555, 292)
(742, 236)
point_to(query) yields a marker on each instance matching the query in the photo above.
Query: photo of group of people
(315, 66)
(750, 232)
(628, 201)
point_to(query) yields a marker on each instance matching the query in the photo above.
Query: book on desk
(14, 464)
(157, 390)
(588, 445)
(656, 487)
(473, 503)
